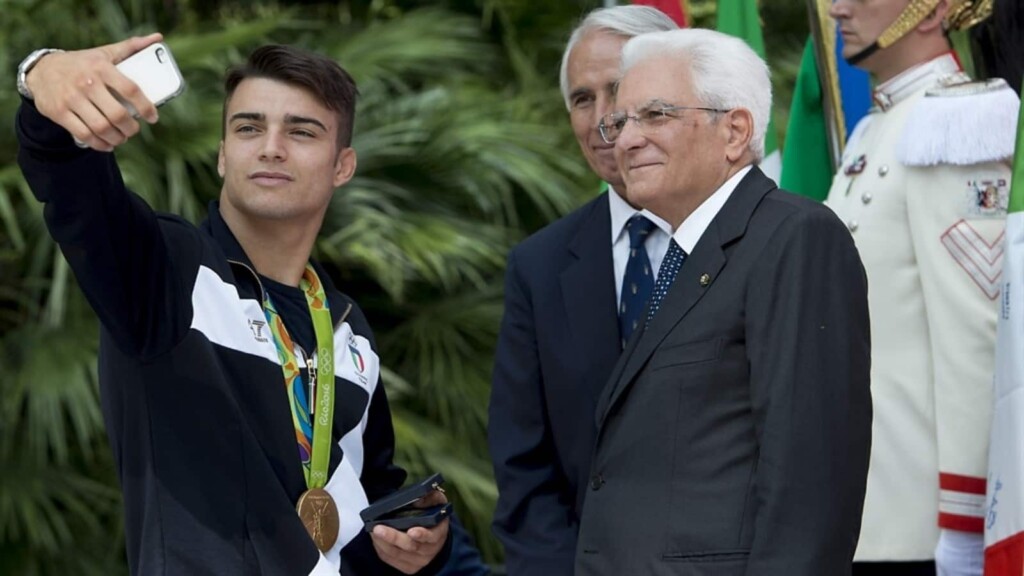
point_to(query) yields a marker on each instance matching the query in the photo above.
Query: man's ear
(220, 160)
(935, 18)
(739, 123)
(344, 166)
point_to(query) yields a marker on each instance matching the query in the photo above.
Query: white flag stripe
(1005, 506)
(772, 165)
(1005, 497)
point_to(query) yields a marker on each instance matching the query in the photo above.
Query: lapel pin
(857, 166)
(705, 279)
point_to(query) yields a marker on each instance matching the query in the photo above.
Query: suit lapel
(588, 289)
(708, 257)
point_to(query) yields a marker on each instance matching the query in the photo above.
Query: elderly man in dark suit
(733, 435)
(573, 293)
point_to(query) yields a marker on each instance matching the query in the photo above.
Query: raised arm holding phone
(240, 389)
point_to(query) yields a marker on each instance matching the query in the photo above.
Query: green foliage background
(464, 148)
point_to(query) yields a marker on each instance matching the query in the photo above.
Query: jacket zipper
(306, 358)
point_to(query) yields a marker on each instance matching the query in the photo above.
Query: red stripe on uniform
(957, 483)
(961, 523)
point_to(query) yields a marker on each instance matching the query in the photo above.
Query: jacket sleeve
(958, 245)
(808, 343)
(111, 239)
(534, 518)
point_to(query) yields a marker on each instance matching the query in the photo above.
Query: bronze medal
(319, 515)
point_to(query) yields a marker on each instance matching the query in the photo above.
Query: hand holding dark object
(410, 551)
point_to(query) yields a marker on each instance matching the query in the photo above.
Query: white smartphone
(154, 71)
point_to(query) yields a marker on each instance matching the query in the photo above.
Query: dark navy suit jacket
(734, 434)
(558, 344)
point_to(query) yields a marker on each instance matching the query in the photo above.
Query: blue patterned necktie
(670, 266)
(638, 280)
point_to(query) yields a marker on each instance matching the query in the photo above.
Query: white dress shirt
(656, 243)
(690, 231)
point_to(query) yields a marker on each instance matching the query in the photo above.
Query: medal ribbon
(312, 422)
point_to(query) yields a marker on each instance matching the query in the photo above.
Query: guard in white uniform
(923, 188)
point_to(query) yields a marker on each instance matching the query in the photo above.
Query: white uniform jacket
(928, 220)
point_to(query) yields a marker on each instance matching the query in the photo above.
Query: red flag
(673, 8)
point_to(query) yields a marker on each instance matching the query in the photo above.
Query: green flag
(809, 171)
(740, 18)
(1017, 181)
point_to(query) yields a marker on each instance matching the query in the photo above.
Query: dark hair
(998, 42)
(321, 76)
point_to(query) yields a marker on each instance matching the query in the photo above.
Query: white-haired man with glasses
(734, 433)
(573, 293)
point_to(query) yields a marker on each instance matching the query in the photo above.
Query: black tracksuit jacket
(192, 388)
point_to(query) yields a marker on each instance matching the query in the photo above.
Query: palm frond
(192, 50)
(445, 346)
(402, 53)
(50, 401)
(400, 249)
(42, 504)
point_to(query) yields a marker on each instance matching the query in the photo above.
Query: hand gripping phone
(155, 72)
(398, 512)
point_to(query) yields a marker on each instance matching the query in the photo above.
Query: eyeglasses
(647, 119)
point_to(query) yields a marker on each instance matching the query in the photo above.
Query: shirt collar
(621, 212)
(690, 231)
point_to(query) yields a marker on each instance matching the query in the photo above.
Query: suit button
(596, 481)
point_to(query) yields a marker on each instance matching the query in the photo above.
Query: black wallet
(398, 512)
